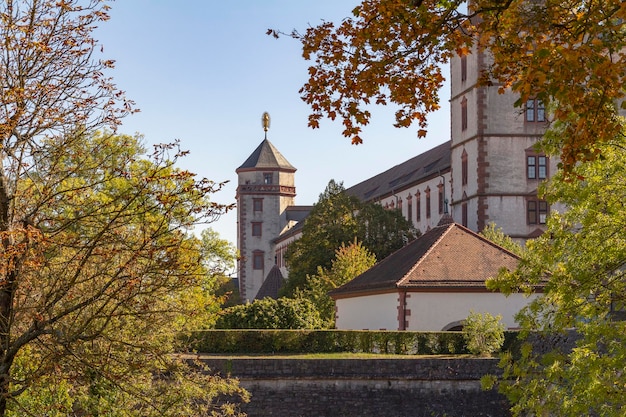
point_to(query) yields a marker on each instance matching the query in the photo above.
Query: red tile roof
(447, 256)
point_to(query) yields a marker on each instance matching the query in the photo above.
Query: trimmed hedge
(326, 341)
(329, 341)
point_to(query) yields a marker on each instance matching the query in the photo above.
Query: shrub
(484, 333)
(268, 313)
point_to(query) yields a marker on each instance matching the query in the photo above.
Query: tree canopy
(99, 269)
(338, 218)
(350, 261)
(581, 263)
(567, 53)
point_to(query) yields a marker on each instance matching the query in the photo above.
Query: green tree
(497, 236)
(484, 333)
(98, 269)
(567, 53)
(106, 274)
(338, 218)
(270, 313)
(219, 257)
(350, 261)
(580, 261)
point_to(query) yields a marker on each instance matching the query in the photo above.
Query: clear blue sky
(204, 71)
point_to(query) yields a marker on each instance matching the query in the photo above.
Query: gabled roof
(266, 156)
(447, 256)
(272, 284)
(428, 164)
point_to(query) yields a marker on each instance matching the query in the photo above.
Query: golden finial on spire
(266, 123)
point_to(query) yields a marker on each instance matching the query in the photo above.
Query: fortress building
(488, 172)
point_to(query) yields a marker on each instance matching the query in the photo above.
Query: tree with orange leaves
(99, 270)
(567, 53)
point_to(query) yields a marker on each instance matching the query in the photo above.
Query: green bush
(269, 313)
(484, 333)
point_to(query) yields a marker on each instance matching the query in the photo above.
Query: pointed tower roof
(266, 156)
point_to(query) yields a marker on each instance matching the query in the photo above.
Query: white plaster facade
(426, 311)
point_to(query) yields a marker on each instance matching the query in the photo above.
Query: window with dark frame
(258, 260)
(267, 178)
(418, 207)
(257, 228)
(535, 110)
(257, 204)
(428, 203)
(536, 167)
(537, 211)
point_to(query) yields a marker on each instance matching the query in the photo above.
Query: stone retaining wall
(405, 387)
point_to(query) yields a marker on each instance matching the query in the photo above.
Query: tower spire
(266, 123)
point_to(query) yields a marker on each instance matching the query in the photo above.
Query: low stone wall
(404, 387)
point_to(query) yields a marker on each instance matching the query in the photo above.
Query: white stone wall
(426, 311)
(435, 311)
(370, 312)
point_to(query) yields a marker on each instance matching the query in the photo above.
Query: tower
(495, 167)
(266, 187)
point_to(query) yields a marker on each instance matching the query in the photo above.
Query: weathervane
(266, 123)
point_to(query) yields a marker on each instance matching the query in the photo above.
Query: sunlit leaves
(570, 54)
(581, 259)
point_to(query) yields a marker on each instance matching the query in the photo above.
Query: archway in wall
(455, 326)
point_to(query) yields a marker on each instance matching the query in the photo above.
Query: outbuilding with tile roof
(431, 284)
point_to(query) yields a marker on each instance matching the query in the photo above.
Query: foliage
(350, 261)
(270, 313)
(56, 395)
(338, 218)
(484, 333)
(566, 53)
(497, 236)
(219, 257)
(98, 270)
(581, 262)
(328, 341)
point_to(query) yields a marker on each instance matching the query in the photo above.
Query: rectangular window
(418, 207)
(257, 260)
(537, 211)
(542, 167)
(428, 204)
(257, 228)
(537, 167)
(257, 204)
(531, 162)
(267, 178)
(535, 111)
